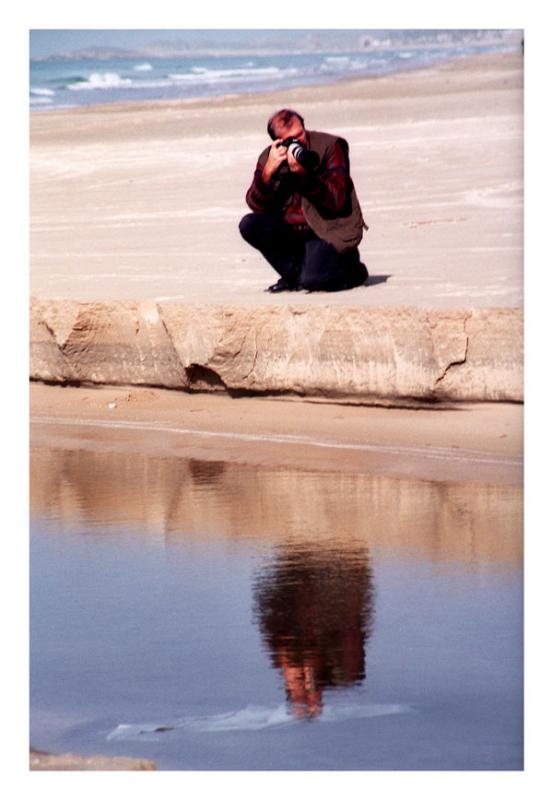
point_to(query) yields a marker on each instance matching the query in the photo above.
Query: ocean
(99, 76)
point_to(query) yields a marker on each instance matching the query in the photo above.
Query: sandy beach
(142, 201)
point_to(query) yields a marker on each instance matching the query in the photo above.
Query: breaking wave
(37, 91)
(198, 74)
(100, 80)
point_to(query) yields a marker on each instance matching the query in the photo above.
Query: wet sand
(49, 762)
(142, 201)
(472, 443)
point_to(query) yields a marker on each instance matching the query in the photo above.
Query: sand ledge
(371, 356)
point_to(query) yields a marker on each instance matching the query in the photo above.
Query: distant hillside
(255, 41)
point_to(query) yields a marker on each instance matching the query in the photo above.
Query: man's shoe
(281, 285)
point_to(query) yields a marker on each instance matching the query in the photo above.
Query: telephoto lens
(307, 158)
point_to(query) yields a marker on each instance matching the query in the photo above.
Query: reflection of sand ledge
(173, 496)
(382, 355)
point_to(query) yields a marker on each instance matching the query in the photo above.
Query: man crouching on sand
(306, 218)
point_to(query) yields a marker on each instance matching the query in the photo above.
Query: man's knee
(248, 225)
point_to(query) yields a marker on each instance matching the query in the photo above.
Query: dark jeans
(303, 260)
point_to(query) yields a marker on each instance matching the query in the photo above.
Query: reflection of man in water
(315, 612)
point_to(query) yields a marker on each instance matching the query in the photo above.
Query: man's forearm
(266, 175)
(260, 193)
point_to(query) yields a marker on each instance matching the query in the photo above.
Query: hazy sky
(47, 42)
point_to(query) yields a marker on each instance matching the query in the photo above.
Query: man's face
(294, 129)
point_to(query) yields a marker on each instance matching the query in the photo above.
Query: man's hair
(283, 118)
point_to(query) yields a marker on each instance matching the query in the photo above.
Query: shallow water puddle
(219, 616)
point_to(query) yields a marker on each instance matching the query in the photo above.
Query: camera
(307, 158)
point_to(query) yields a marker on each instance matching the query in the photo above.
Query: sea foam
(39, 91)
(100, 80)
(255, 718)
(200, 74)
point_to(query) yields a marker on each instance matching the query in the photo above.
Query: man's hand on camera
(277, 155)
(294, 165)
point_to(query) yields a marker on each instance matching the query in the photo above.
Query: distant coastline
(274, 42)
(109, 54)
